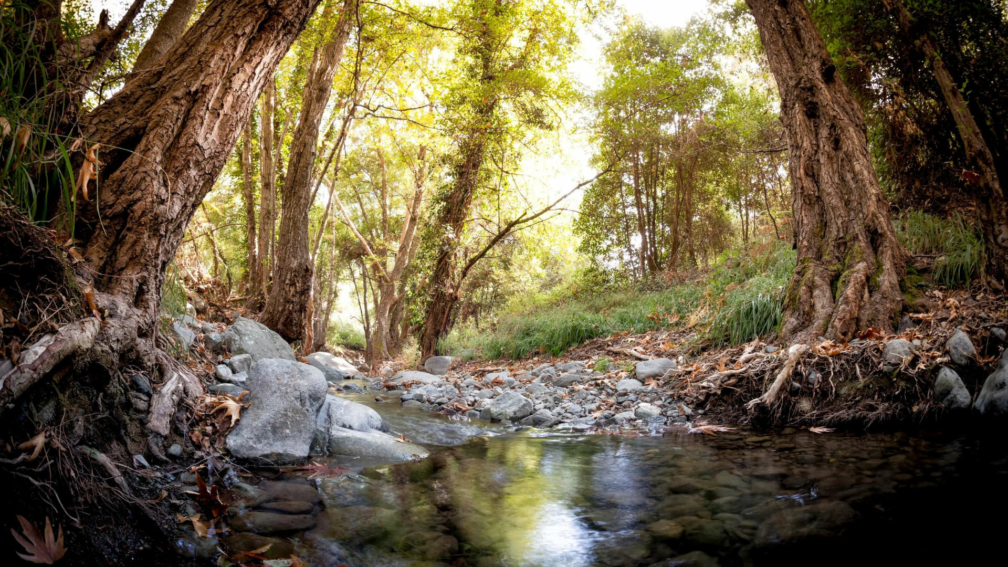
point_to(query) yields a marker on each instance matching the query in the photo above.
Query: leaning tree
(850, 263)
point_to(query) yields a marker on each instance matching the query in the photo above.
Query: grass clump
(958, 248)
(346, 335)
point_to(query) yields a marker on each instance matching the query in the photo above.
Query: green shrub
(958, 248)
(346, 335)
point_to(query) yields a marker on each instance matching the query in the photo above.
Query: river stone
(646, 411)
(288, 491)
(691, 559)
(223, 373)
(628, 385)
(665, 529)
(573, 366)
(337, 414)
(993, 398)
(362, 523)
(950, 390)
(271, 522)
(288, 507)
(250, 337)
(961, 349)
(331, 372)
(437, 365)
(184, 334)
(225, 388)
(372, 445)
(822, 519)
(415, 376)
(534, 389)
(213, 341)
(654, 368)
(280, 424)
(278, 548)
(139, 380)
(240, 363)
(509, 406)
(896, 351)
(565, 380)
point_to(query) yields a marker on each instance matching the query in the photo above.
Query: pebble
(175, 451)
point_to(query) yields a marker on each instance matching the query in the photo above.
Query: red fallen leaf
(318, 470)
(209, 499)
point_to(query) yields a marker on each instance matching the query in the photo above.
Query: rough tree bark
(288, 300)
(267, 191)
(990, 197)
(248, 192)
(168, 135)
(168, 31)
(850, 263)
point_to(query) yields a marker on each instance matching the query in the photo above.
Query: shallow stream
(489, 496)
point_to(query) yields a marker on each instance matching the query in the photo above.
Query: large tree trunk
(267, 191)
(287, 304)
(168, 31)
(993, 210)
(248, 191)
(849, 261)
(168, 135)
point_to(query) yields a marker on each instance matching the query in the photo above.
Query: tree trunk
(248, 191)
(168, 31)
(990, 196)
(169, 134)
(288, 300)
(849, 261)
(267, 191)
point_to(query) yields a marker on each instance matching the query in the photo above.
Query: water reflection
(733, 499)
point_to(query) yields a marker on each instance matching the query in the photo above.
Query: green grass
(958, 248)
(735, 302)
(346, 335)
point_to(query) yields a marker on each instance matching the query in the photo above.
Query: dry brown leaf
(5, 128)
(821, 430)
(36, 443)
(201, 526)
(87, 171)
(45, 550)
(230, 406)
(710, 429)
(21, 138)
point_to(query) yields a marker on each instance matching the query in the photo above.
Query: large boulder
(327, 363)
(280, 424)
(961, 349)
(250, 337)
(437, 365)
(415, 376)
(509, 406)
(338, 412)
(654, 368)
(993, 398)
(950, 390)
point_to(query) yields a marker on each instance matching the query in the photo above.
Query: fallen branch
(629, 352)
(69, 340)
(794, 354)
(162, 407)
(108, 465)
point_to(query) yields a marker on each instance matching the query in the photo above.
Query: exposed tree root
(108, 465)
(67, 342)
(770, 397)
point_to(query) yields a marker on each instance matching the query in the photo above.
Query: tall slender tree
(168, 31)
(850, 263)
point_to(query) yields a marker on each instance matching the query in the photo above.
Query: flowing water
(489, 496)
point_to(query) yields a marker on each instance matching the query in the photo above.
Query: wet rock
(250, 337)
(961, 349)
(415, 376)
(290, 491)
(950, 390)
(709, 534)
(896, 351)
(338, 414)
(823, 519)
(665, 530)
(278, 548)
(438, 365)
(624, 417)
(509, 406)
(435, 546)
(628, 385)
(240, 363)
(372, 445)
(189, 544)
(139, 401)
(174, 451)
(541, 418)
(653, 368)
(250, 496)
(362, 523)
(140, 461)
(288, 507)
(286, 397)
(691, 559)
(646, 411)
(271, 522)
(993, 398)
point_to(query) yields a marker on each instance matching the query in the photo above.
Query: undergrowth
(735, 302)
(346, 335)
(957, 247)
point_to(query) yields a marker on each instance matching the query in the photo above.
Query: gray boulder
(993, 398)
(437, 365)
(183, 335)
(628, 385)
(654, 368)
(328, 363)
(961, 349)
(374, 446)
(950, 390)
(415, 376)
(240, 363)
(509, 406)
(280, 424)
(339, 412)
(250, 337)
(213, 341)
(896, 351)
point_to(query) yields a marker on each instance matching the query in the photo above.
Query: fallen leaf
(5, 128)
(46, 550)
(87, 171)
(36, 443)
(230, 406)
(319, 470)
(710, 429)
(21, 138)
(201, 526)
(821, 430)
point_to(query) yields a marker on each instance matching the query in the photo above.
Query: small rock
(950, 390)
(240, 363)
(175, 451)
(140, 461)
(213, 341)
(271, 522)
(624, 417)
(993, 398)
(184, 334)
(287, 491)
(438, 365)
(770, 349)
(141, 382)
(645, 411)
(628, 385)
(223, 373)
(998, 333)
(653, 368)
(510, 406)
(896, 351)
(961, 349)
(812, 378)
